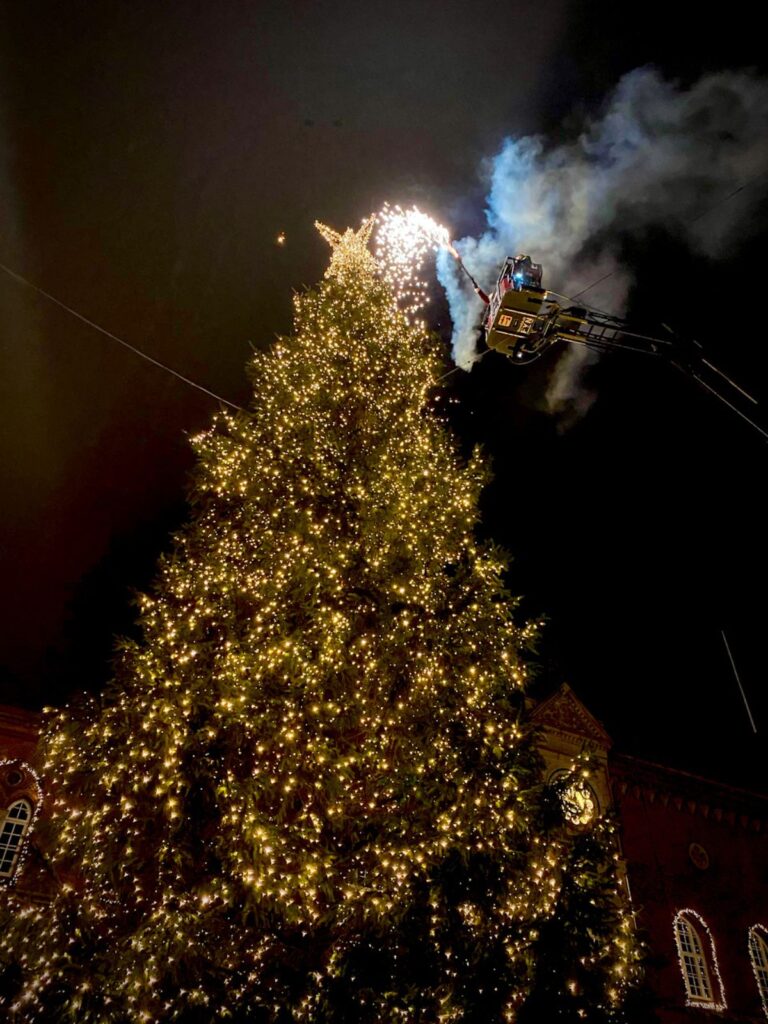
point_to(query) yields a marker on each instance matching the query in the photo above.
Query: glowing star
(280, 240)
(350, 250)
(404, 238)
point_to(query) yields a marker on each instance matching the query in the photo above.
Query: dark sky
(149, 155)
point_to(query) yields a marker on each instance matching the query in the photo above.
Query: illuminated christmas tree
(309, 793)
(585, 953)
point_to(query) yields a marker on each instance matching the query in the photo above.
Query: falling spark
(403, 240)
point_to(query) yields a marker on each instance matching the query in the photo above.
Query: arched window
(758, 954)
(698, 962)
(15, 823)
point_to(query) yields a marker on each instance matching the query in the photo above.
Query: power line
(114, 337)
(738, 680)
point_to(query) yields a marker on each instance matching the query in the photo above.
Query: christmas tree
(585, 953)
(309, 792)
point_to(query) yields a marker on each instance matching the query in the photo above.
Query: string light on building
(697, 963)
(758, 956)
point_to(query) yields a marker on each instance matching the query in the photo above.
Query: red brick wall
(662, 813)
(18, 733)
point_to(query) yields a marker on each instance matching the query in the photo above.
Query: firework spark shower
(403, 241)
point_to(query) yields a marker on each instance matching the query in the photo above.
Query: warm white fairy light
(403, 241)
(758, 955)
(320, 717)
(699, 926)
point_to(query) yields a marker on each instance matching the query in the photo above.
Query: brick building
(695, 854)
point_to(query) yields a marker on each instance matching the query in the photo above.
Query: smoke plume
(656, 154)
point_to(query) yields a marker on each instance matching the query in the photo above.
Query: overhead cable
(120, 341)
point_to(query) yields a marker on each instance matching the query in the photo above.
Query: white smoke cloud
(657, 154)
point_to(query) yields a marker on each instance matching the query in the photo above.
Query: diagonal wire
(114, 337)
(738, 680)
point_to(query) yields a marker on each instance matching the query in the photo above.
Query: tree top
(350, 249)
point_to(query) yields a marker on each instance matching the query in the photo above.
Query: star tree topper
(350, 250)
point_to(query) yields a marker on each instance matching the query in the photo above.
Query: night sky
(149, 156)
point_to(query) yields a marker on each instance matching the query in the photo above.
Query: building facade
(695, 858)
(697, 863)
(21, 795)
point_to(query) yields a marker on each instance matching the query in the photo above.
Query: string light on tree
(310, 792)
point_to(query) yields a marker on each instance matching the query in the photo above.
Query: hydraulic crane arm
(523, 320)
(606, 333)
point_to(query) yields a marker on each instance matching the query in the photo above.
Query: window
(758, 954)
(14, 828)
(698, 962)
